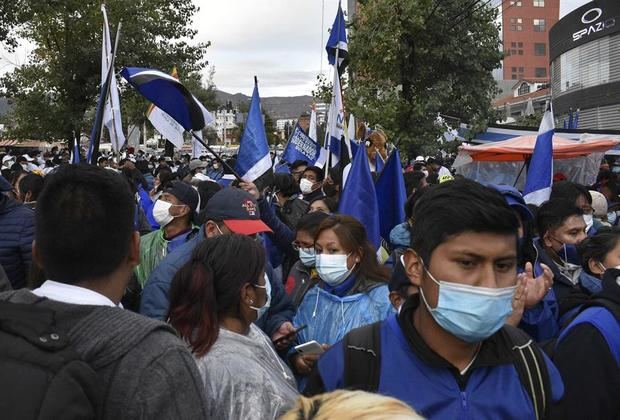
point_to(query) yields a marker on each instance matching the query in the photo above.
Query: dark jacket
(145, 370)
(300, 279)
(590, 371)
(16, 235)
(155, 302)
(412, 372)
(5, 284)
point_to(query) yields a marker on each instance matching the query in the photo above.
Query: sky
(279, 41)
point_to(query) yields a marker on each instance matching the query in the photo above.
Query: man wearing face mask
(581, 197)
(230, 210)
(449, 353)
(174, 211)
(311, 183)
(560, 228)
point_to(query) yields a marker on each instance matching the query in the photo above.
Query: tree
(54, 91)
(413, 59)
(532, 120)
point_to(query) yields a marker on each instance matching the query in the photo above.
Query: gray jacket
(245, 379)
(145, 370)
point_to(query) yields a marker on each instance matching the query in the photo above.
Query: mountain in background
(278, 107)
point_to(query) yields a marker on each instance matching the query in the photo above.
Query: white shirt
(69, 293)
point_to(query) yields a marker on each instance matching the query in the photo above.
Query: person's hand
(250, 188)
(537, 287)
(304, 363)
(285, 329)
(518, 301)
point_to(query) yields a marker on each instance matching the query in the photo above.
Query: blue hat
(4, 184)
(514, 199)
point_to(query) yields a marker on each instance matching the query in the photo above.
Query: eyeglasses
(297, 245)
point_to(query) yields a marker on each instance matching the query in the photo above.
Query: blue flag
(338, 42)
(253, 159)
(75, 159)
(168, 94)
(540, 172)
(379, 163)
(391, 195)
(358, 198)
(301, 147)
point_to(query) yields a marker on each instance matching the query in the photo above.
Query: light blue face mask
(468, 312)
(263, 309)
(307, 256)
(332, 268)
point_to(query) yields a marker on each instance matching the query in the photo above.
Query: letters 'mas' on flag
(169, 94)
(337, 42)
(358, 198)
(540, 172)
(253, 160)
(391, 195)
(112, 110)
(300, 146)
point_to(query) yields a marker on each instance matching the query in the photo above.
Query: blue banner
(301, 147)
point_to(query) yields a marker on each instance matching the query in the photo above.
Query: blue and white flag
(335, 122)
(540, 172)
(253, 159)
(75, 155)
(337, 42)
(300, 146)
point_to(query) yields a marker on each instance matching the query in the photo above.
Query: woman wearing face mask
(352, 290)
(303, 274)
(175, 213)
(214, 301)
(599, 253)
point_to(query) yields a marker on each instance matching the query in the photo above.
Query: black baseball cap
(238, 210)
(185, 193)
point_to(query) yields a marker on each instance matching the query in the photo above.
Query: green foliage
(530, 120)
(413, 59)
(54, 91)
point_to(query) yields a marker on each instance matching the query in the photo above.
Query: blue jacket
(16, 236)
(413, 373)
(154, 302)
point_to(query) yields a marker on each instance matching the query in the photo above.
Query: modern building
(525, 30)
(585, 65)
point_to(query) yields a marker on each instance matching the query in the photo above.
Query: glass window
(539, 3)
(513, 52)
(516, 3)
(539, 25)
(540, 49)
(514, 76)
(520, 44)
(514, 69)
(520, 69)
(520, 52)
(540, 72)
(513, 44)
(524, 89)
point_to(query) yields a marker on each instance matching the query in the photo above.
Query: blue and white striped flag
(540, 172)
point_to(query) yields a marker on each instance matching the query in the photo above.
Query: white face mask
(589, 219)
(161, 213)
(333, 269)
(305, 186)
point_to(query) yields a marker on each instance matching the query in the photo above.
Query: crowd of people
(160, 287)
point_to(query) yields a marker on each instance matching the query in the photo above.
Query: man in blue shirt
(448, 353)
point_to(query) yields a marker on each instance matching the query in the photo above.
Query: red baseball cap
(238, 210)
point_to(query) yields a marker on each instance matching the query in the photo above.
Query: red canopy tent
(521, 148)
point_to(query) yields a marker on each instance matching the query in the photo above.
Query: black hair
(330, 202)
(84, 219)
(569, 191)
(598, 246)
(285, 184)
(433, 178)
(320, 174)
(555, 212)
(410, 203)
(206, 190)
(455, 207)
(412, 181)
(209, 284)
(298, 163)
(33, 183)
(136, 177)
(310, 222)
(142, 166)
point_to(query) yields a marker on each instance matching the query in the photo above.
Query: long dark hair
(208, 286)
(352, 235)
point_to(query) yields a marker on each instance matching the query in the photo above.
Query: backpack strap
(532, 369)
(362, 358)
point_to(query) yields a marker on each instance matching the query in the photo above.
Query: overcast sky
(277, 40)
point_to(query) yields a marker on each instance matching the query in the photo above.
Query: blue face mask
(307, 256)
(263, 309)
(468, 312)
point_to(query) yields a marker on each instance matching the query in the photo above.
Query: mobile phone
(289, 335)
(311, 348)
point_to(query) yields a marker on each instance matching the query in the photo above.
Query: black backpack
(42, 377)
(362, 347)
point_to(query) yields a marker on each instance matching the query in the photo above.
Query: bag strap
(362, 358)
(532, 369)
(608, 304)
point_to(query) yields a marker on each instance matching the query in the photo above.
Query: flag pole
(217, 156)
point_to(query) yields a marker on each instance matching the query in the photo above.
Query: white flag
(312, 129)
(112, 109)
